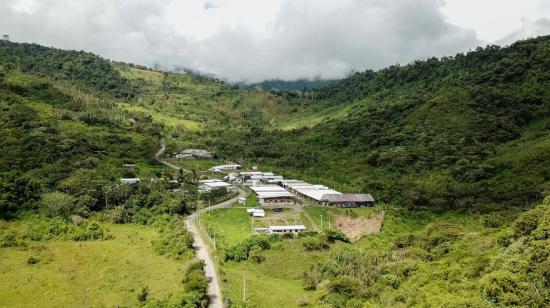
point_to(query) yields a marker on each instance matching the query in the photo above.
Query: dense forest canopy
(454, 150)
(445, 132)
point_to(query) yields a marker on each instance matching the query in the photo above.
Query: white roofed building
(210, 185)
(285, 229)
(273, 195)
(222, 168)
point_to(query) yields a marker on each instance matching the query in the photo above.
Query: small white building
(256, 212)
(194, 153)
(210, 185)
(285, 229)
(223, 168)
(273, 195)
(130, 181)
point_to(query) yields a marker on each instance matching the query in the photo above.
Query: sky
(254, 40)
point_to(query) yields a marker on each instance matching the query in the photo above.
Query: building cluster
(272, 189)
(225, 168)
(272, 194)
(323, 195)
(256, 212)
(213, 184)
(194, 154)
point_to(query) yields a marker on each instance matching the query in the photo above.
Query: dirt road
(161, 152)
(203, 253)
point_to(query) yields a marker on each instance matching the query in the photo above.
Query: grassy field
(277, 282)
(165, 119)
(106, 273)
(199, 164)
(230, 226)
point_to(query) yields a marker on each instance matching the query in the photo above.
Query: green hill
(454, 150)
(446, 132)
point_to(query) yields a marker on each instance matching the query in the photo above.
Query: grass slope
(105, 273)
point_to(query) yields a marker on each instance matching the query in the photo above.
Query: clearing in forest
(357, 227)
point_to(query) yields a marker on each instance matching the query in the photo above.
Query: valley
(96, 208)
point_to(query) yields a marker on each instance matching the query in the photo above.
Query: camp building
(273, 195)
(323, 195)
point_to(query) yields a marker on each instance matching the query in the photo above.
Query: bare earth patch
(355, 228)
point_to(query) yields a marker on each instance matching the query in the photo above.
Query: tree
(58, 204)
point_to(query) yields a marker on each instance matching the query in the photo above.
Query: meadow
(108, 273)
(424, 256)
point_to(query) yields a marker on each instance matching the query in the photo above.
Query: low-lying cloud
(300, 39)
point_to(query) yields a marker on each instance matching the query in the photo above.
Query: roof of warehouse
(292, 227)
(267, 188)
(348, 198)
(274, 194)
(317, 194)
(216, 184)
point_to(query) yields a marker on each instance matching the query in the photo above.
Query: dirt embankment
(357, 227)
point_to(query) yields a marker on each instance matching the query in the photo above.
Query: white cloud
(253, 40)
(492, 20)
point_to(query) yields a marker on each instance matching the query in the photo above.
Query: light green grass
(165, 119)
(277, 282)
(198, 164)
(230, 226)
(106, 273)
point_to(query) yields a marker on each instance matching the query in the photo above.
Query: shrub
(39, 229)
(336, 235)
(241, 251)
(142, 295)
(174, 240)
(255, 254)
(404, 240)
(504, 288)
(58, 204)
(32, 260)
(318, 243)
(528, 221)
(12, 240)
(345, 285)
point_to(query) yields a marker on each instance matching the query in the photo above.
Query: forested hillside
(450, 132)
(66, 140)
(454, 150)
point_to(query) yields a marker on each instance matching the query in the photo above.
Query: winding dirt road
(203, 253)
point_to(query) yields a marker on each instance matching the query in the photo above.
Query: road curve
(202, 251)
(161, 152)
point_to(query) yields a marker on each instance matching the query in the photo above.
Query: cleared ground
(277, 282)
(106, 273)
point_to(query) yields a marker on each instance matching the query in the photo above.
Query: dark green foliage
(283, 87)
(195, 286)
(315, 243)
(255, 254)
(174, 240)
(455, 132)
(242, 250)
(85, 68)
(11, 239)
(336, 235)
(142, 295)
(32, 260)
(40, 229)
